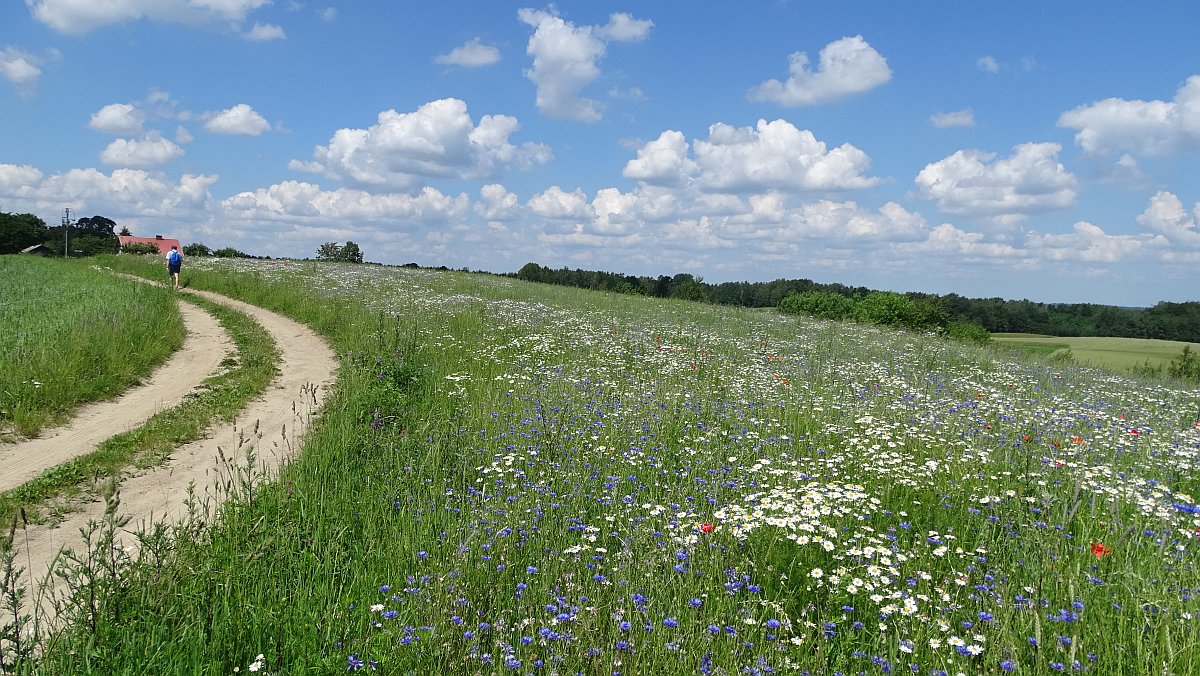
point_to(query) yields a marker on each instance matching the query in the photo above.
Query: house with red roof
(164, 245)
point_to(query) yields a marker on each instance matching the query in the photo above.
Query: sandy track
(273, 424)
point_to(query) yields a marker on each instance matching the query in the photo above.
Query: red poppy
(706, 528)
(1134, 432)
(1100, 550)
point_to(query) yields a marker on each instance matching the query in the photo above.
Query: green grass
(219, 398)
(1117, 354)
(507, 472)
(74, 334)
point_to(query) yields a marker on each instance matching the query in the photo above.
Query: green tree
(1186, 366)
(350, 253)
(329, 251)
(691, 289)
(825, 304)
(196, 249)
(18, 231)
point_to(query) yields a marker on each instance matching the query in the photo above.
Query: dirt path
(273, 424)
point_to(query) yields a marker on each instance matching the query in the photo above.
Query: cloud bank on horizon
(906, 155)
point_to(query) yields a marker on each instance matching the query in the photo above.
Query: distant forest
(1167, 321)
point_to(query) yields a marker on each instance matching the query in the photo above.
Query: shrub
(196, 249)
(1186, 366)
(1062, 355)
(888, 308)
(819, 303)
(969, 332)
(140, 248)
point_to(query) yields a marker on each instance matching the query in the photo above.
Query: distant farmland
(1119, 354)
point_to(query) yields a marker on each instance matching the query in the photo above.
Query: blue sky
(1038, 150)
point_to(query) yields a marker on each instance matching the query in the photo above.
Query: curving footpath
(273, 424)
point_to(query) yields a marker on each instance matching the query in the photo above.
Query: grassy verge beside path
(220, 397)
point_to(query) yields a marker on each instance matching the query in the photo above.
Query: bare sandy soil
(273, 424)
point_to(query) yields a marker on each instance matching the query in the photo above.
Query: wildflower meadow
(526, 479)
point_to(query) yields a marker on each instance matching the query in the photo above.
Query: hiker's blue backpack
(173, 258)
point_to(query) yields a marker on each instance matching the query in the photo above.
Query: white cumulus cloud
(1139, 127)
(263, 32)
(975, 183)
(292, 200)
(663, 161)
(125, 191)
(118, 118)
(473, 54)
(1166, 216)
(846, 66)
(82, 16)
(18, 66)
(240, 120)
(776, 156)
(149, 152)
(957, 118)
(565, 60)
(438, 140)
(622, 27)
(556, 203)
(988, 64)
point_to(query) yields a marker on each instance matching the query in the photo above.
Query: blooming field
(532, 479)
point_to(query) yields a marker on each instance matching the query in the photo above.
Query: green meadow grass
(1118, 354)
(518, 478)
(74, 334)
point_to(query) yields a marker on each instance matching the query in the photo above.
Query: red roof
(164, 245)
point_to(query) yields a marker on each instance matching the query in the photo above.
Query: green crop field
(1119, 354)
(528, 479)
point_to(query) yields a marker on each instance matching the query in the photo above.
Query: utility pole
(66, 221)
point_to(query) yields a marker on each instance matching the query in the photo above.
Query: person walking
(174, 262)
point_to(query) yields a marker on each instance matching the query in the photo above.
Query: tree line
(1165, 320)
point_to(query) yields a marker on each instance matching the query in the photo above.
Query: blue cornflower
(531, 570)
(512, 663)
(773, 623)
(353, 663)
(624, 626)
(695, 602)
(671, 622)
(1008, 665)
(1057, 666)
